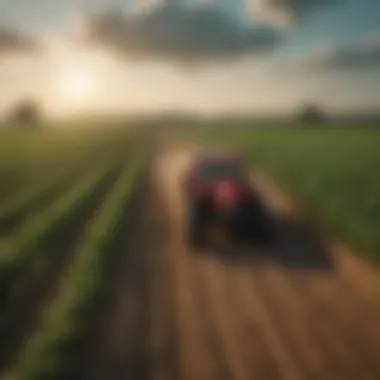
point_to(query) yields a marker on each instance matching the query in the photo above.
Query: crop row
(45, 352)
(48, 182)
(41, 190)
(29, 159)
(25, 245)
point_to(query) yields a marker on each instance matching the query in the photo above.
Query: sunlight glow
(77, 84)
(78, 72)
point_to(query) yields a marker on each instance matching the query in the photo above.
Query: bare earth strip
(301, 310)
(193, 356)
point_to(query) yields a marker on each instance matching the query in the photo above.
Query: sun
(77, 84)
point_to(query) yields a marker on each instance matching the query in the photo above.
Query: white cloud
(284, 13)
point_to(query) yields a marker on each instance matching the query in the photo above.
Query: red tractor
(218, 189)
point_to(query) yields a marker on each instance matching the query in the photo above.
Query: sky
(209, 56)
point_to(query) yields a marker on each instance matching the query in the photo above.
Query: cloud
(285, 13)
(364, 53)
(13, 43)
(176, 33)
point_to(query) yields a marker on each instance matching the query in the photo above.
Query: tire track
(252, 303)
(161, 343)
(325, 366)
(209, 328)
(286, 296)
(341, 360)
(213, 277)
(294, 321)
(357, 350)
(193, 359)
(254, 346)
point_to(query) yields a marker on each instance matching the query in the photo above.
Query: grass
(63, 168)
(28, 157)
(334, 172)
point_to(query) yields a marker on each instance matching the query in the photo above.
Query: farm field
(97, 281)
(189, 191)
(64, 195)
(332, 172)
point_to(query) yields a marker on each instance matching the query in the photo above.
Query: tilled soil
(298, 310)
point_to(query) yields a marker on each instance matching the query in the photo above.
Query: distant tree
(26, 114)
(311, 114)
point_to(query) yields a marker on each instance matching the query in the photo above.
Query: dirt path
(293, 312)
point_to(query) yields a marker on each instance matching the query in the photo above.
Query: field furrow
(224, 318)
(255, 305)
(26, 247)
(78, 289)
(25, 309)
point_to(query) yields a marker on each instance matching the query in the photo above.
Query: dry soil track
(290, 312)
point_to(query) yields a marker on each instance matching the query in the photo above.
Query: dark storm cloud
(14, 43)
(175, 33)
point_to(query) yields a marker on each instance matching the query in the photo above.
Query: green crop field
(64, 195)
(66, 198)
(333, 172)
